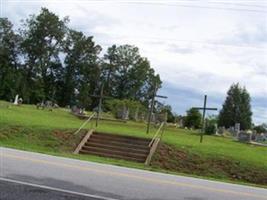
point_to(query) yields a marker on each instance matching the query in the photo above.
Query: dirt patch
(67, 140)
(171, 158)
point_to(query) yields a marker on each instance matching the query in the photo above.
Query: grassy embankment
(25, 127)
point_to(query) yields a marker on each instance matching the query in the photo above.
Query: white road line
(56, 189)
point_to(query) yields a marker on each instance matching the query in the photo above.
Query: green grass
(218, 147)
(25, 127)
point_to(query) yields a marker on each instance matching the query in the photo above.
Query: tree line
(47, 60)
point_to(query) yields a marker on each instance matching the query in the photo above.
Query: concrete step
(113, 152)
(117, 148)
(118, 138)
(122, 136)
(110, 155)
(116, 143)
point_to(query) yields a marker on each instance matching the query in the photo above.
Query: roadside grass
(24, 127)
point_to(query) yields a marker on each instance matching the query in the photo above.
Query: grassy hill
(25, 127)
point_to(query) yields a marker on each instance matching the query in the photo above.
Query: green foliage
(210, 129)
(211, 125)
(64, 65)
(161, 108)
(193, 118)
(136, 109)
(82, 72)
(236, 108)
(9, 67)
(129, 74)
(42, 42)
(261, 128)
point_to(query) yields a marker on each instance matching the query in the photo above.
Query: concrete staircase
(115, 146)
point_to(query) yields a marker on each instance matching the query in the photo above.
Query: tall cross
(152, 106)
(100, 97)
(204, 108)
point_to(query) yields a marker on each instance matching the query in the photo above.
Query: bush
(210, 129)
(116, 106)
(193, 118)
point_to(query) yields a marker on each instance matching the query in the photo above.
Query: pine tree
(236, 108)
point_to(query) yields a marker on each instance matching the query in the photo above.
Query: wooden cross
(152, 106)
(204, 108)
(100, 97)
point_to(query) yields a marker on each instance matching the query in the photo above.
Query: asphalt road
(21, 191)
(26, 175)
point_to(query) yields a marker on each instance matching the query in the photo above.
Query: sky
(197, 46)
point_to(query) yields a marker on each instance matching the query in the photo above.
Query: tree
(129, 74)
(82, 70)
(236, 108)
(211, 123)
(43, 36)
(117, 106)
(193, 118)
(261, 128)
(46, 60)
(9, 65)
(161, 108)
(109, 68)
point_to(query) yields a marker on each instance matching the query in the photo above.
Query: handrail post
(88, 120)
(156, 134)
(162, 130)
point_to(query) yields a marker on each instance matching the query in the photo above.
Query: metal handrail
(88, 120)
(156, 134)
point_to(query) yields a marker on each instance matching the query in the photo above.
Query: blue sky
(197, 46)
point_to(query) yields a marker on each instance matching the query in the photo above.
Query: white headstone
(244, 136)
(237, 128)
(125, 114)
(16, 100)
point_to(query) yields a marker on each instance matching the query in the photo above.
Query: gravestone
(40, 105)
(244, 136)
(237, 128)
(49, 105)
(20, 101)
(221, 130)
(136, 114)
(153, 117)
(160, 118)
(232, 131)
(260, 138)
(254, 135)
(95, 109)
(216, 127)
(75, 110)
(123, 113)
(16, 100)
(142, 116)
(180, 122)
